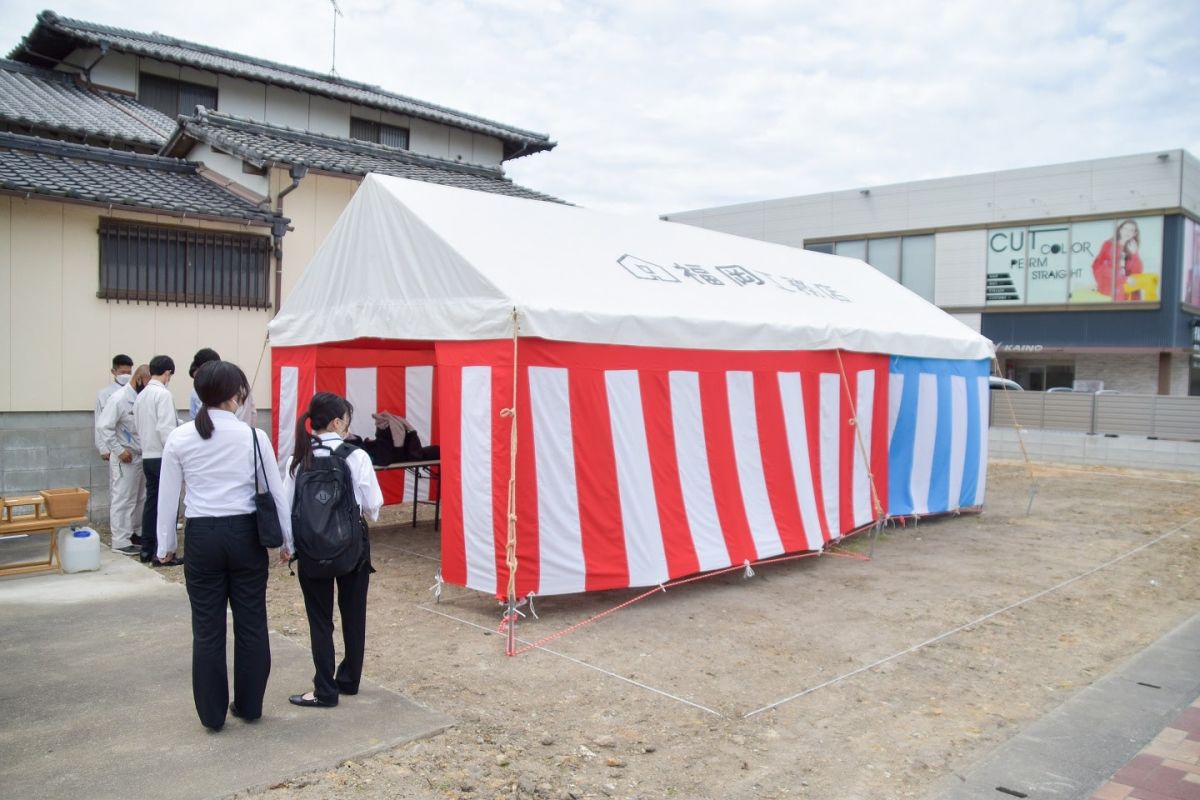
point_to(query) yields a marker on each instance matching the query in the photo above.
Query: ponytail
(323, 409)
(302, 454)
(204, 423)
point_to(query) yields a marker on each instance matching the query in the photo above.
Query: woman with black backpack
(333, 487)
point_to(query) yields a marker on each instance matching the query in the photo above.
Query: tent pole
(510, 550)
(876, 503)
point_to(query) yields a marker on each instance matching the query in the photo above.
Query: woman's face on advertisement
(1127, 231)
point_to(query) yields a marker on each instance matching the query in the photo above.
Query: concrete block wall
(50, 449)
(1069, 447)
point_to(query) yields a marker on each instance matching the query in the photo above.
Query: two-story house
(158, 196)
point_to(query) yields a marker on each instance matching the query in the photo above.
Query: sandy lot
(665, 698)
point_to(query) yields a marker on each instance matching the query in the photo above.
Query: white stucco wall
(57, 338)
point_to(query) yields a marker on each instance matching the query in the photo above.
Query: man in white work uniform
(154, 418)
(125, 477)
(122, 366)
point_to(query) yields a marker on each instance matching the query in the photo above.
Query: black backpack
(327, 523)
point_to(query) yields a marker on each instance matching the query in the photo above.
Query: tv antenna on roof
(337, 12)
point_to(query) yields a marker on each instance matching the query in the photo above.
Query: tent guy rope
(976, 621)
(508, 621)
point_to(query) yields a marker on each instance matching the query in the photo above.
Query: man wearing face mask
(122, 365)
(154, 418)
(126, 481)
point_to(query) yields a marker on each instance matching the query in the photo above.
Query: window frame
(376, 131)
(178, 86)
(138, 262)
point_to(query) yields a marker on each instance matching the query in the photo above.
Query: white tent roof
(414, 260)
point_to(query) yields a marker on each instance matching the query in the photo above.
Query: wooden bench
(432, 471)
(39, 521)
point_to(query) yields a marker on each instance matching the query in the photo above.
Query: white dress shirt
(219, 474)
(115, 428)
(102, 398)
(362, 475)
(154, 418)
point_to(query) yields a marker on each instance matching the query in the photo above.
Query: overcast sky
(669, 105)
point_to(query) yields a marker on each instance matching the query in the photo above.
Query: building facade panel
(8, 338)
(429, 138)
(960, 256)
(328, 116)
(82, 312)
(115, 70)
(287, 107)
(35, 307)
(801, 218)
(1190, 184)
(230, 167)
(242, 98)
(1136, 182)
(460, 145)
(486, 150)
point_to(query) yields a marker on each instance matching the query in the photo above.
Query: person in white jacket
(126, 481)
(154, 417)
(122, 367)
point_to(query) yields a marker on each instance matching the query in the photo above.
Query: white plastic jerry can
(78, 549)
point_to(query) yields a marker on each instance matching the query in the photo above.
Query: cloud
(664, 105)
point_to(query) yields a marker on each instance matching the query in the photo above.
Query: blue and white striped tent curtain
(938, 429)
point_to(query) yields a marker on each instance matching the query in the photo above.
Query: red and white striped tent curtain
(634, 465)
(374, 377)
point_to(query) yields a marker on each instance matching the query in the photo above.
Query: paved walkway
(1168, 769)
(97, 698)
(1139, 726)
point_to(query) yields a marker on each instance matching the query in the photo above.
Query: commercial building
(1085, 274)
(159, 196)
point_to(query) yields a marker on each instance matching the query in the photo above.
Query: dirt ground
(657, 700)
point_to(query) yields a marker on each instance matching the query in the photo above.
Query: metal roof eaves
(95, 33)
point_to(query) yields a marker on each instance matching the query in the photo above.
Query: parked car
(1004, 384)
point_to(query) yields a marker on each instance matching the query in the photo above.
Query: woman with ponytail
(329, 418)
(214, 455)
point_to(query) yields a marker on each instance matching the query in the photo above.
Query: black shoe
(128, 550)
(145, 557)
(233, 709)
(301, 700)
(174, 562)
(135, 540)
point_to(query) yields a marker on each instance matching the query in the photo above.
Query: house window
(173, 97)
(166, 264)
(367, 131)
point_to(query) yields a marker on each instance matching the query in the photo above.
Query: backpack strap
(344, 450)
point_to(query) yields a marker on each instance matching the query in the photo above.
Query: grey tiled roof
(265, 145)
(99, 175)
(42, 100)
(54, 34)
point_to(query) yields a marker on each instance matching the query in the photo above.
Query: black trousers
(151, 467)
(225, 564)
(352, 603)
